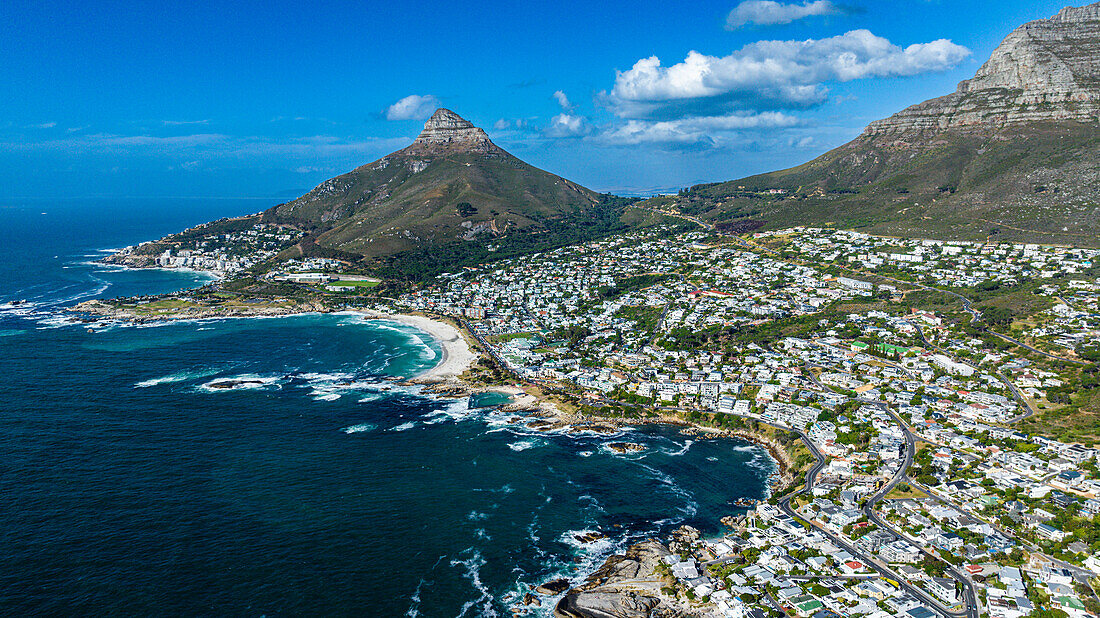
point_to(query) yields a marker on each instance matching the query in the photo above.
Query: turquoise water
(133, 483)
(478, 400)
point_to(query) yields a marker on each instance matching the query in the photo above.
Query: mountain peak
(447, 132)
(446, 119)
(1079, 14)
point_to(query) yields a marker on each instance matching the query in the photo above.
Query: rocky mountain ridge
(1047, 69)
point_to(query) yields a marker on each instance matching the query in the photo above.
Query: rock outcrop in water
(626, 586)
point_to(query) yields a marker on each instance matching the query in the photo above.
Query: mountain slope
(451, 185)
(1014, 152)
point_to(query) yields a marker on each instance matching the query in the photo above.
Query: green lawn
(353, 284)
(511, 336)
(161, 306)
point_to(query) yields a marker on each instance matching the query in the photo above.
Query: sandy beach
(457, 355)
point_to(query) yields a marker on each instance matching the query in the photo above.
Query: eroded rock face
(447, 131)
(626, 586)
(1048, 69)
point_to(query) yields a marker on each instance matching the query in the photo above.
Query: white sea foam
(360, 428)
(179, 376)
(100, 287)
(472, 567)
(522, 445)
(325, 377)
(585, 453)
(761, 462)
(395, 327)
(414, 601)
(597, 546)
(427, 353)
(51, 321)
(689, 507)
(456, 409)
(158, 324)
(326, 397)
(403, 427)
(100, 266)
(11, 332)
(683, 450)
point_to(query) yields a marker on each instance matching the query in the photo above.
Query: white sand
(457, 355)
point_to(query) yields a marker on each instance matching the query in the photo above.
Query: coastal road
(677, 215)
(785, 505)
(664, 314)
(1037, 351)
(969, 594)
(1081, 574)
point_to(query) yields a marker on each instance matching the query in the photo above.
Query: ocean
(132, 483)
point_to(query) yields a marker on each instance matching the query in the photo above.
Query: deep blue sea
(130, 486)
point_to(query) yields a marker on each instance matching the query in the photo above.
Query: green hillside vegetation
(1022, 183)
(387, 207)
(422, 263)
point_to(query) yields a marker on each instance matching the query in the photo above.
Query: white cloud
(771, 13)
(699, 130)
(175, 123)
(563, 101)
(505, 124)
(769, 74)
(568, 125)
(174, 141)
(211, 146)
(44, 125)
(413, 107)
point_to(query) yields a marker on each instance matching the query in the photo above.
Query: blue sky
(233, 99)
